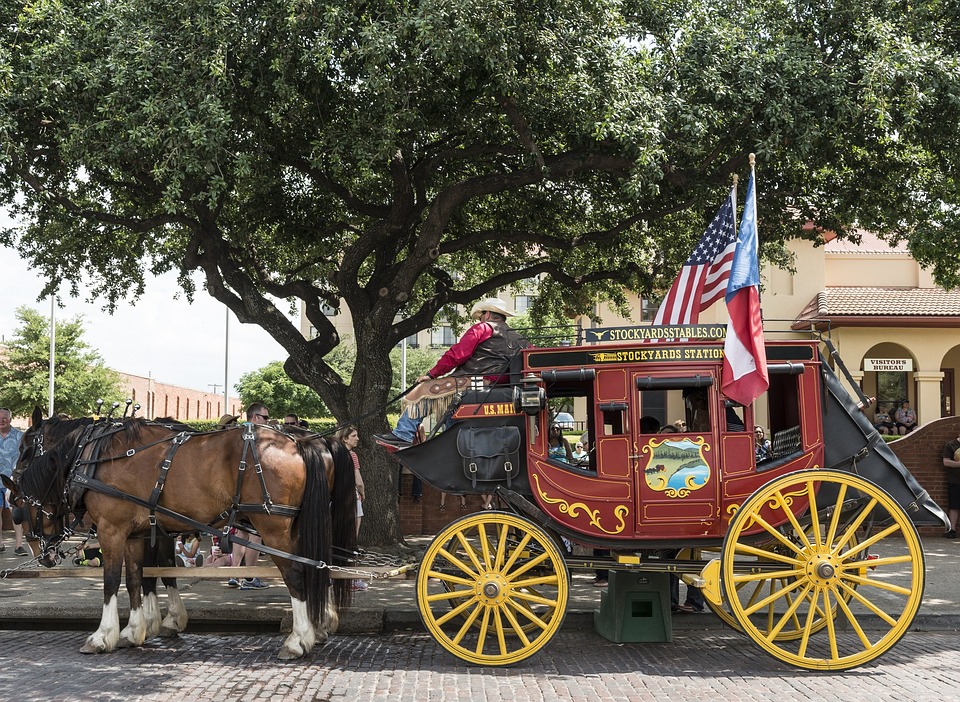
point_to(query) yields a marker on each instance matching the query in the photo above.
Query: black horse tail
(344, 515)
(315, 530)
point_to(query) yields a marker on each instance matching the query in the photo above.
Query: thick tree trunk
(381, 515)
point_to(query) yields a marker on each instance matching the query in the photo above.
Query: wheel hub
(822, 569)
(492, 588)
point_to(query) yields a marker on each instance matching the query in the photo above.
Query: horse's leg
(105, 638)
(176, 619)
(135, 632)
(151, 605)
(303, 635)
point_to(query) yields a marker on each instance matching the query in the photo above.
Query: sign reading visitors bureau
(638, 354)
(656, 332)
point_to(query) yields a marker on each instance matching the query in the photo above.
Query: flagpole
(736, 179)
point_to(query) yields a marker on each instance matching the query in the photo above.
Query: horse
(130, 475)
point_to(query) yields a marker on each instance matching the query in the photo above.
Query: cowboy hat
(491, 304)
(228, 419)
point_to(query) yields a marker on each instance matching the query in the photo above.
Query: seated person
(883, 422)
(558, 446)
(188, 551)
(905, 418)
(90, 556)
(649, 424)
(762, 447)
(579, 453)
(485, 349)
(217, 557)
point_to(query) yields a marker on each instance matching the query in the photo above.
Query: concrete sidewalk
(389, 604)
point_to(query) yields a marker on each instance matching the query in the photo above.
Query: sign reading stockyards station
(651, 332)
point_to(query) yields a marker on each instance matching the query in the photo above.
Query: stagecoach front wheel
(830, 558)
(492, 588)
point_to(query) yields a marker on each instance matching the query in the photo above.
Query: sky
(159, 336)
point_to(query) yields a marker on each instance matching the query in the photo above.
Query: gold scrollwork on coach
(578, 509)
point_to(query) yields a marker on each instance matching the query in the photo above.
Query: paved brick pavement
(575, 667)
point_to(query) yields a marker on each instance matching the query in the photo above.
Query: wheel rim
(492, 588)
(787, 597)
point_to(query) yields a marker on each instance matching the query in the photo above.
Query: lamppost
(226, 361)
(53, 349)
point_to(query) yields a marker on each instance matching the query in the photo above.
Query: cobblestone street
(575, 666)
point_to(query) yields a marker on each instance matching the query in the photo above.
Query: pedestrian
(257, 413)
(10, 438)
(951, 461)
(349, 436)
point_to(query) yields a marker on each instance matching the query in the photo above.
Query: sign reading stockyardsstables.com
(888, 365)
(656, 332)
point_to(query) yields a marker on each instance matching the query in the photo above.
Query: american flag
(703, 278)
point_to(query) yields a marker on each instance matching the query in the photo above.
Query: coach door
(675, 441)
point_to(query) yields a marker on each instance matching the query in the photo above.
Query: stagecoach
(812, 551)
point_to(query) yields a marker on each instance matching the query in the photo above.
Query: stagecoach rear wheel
(750, 592)
(848, 607)
(492, 588)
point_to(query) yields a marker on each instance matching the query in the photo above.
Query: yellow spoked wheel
(492, 588)
(822, 602)
(751, 592)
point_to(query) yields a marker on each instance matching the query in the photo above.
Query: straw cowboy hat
(228, 419)
(491, 304)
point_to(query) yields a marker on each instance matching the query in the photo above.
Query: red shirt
(460, 352)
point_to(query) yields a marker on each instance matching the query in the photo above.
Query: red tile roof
(897, 306)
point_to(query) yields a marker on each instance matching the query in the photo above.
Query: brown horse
(127, 474)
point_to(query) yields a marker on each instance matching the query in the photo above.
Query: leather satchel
(490, 454)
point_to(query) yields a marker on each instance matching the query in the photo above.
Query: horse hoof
(124, 642)
(92, 648)
(287, 655)
(168, 632)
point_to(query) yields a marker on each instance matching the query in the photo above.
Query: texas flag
(744, 377)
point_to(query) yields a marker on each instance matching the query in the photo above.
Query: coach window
(682, 404)
(778, 409)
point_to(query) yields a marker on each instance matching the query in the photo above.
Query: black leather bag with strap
(490, 454)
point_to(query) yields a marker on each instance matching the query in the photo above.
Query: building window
(523, 303)
(412, 342)
(891, 388)
(442, 336)
(648, 309)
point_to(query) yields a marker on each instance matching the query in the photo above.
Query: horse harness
(83, 471)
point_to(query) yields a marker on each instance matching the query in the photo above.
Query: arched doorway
(888, 375)
(950, 367)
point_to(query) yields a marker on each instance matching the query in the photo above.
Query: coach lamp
(529, 398)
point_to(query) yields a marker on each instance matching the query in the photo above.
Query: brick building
(163, 400)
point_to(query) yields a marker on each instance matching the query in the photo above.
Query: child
(188, 551)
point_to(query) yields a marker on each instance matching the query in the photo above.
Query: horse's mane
(56, 429)
(46, 472)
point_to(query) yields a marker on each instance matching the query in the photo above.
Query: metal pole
(403, 364)
(53, 349)
(226, 362)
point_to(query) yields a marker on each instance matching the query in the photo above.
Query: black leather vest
(493, 356)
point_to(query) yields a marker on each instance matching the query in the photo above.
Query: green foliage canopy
(80, 378)
(272, 386)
